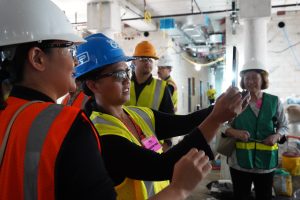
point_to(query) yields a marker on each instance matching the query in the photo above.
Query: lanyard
(137, 128)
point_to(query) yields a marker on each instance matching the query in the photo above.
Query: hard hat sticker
(113, 44)
(83, 58)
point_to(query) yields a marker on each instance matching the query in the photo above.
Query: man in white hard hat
(164, 73)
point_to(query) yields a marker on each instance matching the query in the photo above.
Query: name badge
(151, 143)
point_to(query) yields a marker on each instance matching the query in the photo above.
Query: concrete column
(255, 40)
(255, 14)
(104, 16)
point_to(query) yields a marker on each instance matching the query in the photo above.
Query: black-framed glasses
(145, 59)
(70, 46)
(120, 75)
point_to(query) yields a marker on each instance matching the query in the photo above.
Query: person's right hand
(228, 105)
(189, 171)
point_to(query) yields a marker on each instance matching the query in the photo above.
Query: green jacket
(254, 154)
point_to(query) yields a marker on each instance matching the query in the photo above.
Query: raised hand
(228, 105)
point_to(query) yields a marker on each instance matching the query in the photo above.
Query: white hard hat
(164, 61)
(254, 64)
(25, 21)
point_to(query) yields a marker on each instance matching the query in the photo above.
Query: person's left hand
(272, 139)
(227, 106)
(190, 170)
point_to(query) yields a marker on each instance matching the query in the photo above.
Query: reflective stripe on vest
(144, 116)
(257, 155)
(254, 145)
(79, 100)
(150, 96)
(109, 125)
(156, 102)
(98, 120)
(28, 168)
(148, 184)
(174, 96)
(36, 138)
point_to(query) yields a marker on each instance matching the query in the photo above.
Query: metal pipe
(204, 12)
(197, 6)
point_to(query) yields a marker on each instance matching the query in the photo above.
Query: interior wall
(283, 64)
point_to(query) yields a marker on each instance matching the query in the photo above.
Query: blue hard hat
(96, 53)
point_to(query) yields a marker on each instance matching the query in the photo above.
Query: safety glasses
(69, 46)
(145, 59)
(118, 75)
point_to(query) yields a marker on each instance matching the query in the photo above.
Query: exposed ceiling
(199, 24)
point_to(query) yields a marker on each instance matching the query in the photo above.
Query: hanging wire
(290, 46)
(283, 50)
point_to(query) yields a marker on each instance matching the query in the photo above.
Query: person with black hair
(129, 134)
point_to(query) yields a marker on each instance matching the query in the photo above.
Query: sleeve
(224, 127)
(166, 103)
(167, 125)
(79, 170)
(171, 88)
(126, 159)
(282, 124)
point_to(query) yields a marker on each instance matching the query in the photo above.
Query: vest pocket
(266, 159)
(244, 158)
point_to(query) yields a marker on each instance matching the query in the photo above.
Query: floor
(202, 193)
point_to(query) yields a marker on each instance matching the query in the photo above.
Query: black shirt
(79, 168)
(166, 104)
(125, 159)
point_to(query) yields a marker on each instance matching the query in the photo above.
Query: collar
(168, 78)
(29, 94)
(147, 82)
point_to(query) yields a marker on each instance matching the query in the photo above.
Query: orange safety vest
(79, 101)
(28, 165)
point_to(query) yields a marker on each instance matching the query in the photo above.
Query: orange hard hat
(145, 49)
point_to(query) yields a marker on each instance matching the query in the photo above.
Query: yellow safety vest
(211, 93)
(130, 189)
(151, 95)
(170, 81)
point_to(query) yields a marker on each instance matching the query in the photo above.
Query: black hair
(20, 58)
(12, 67)
(4, 75)
(92, 75)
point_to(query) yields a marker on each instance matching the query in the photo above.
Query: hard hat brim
(154, 57)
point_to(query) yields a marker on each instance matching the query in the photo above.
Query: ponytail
(4, 79)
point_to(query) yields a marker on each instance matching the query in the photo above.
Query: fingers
(206, 169)
(197, 157)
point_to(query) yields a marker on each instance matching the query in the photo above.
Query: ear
(91, 85)
(134, 62)
(36, 57)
